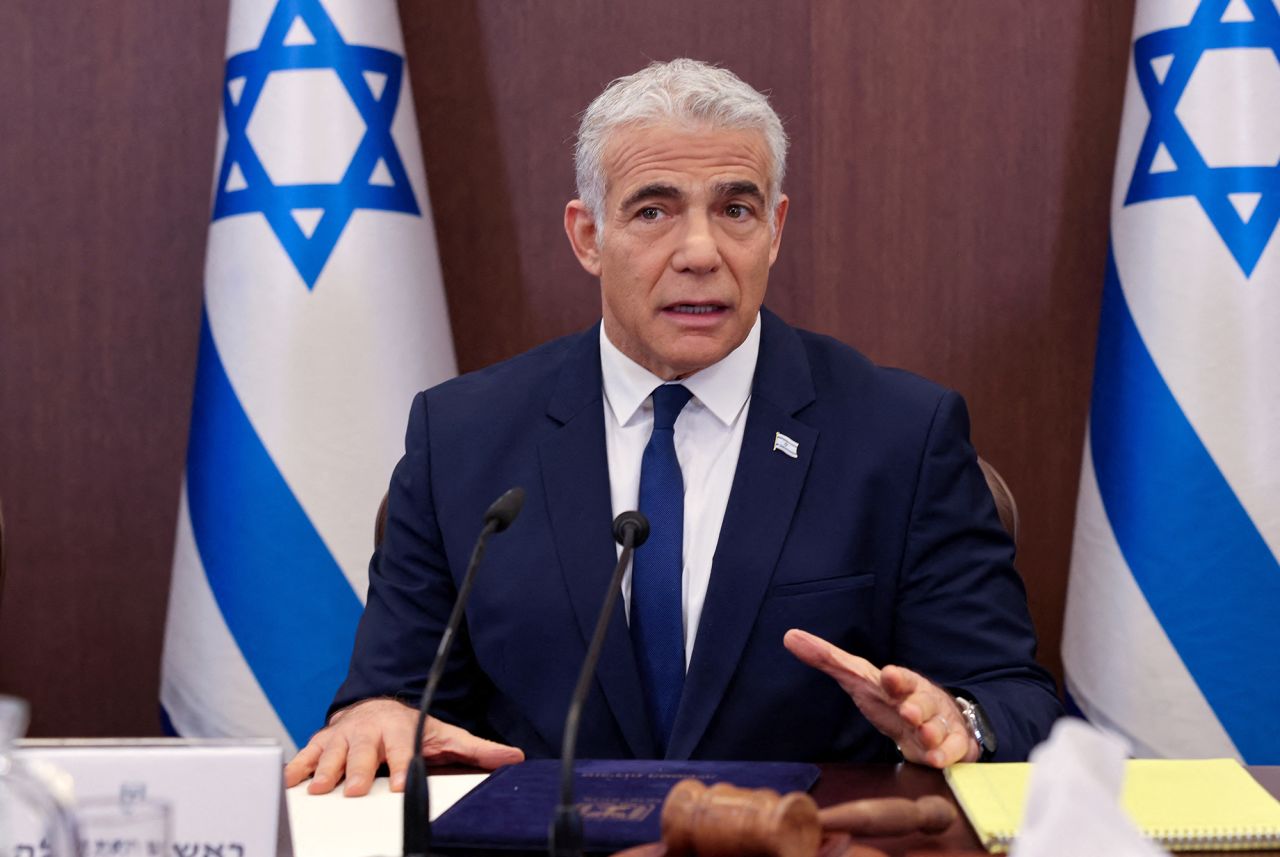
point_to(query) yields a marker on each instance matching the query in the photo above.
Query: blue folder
(620, 801)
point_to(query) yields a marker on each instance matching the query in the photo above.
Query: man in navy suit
(811, 509)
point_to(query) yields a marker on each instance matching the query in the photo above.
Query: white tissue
(1073, 798)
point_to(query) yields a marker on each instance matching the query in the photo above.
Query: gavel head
(726, 821)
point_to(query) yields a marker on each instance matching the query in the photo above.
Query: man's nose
(698, 252)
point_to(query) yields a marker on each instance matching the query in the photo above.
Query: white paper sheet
(335, 826)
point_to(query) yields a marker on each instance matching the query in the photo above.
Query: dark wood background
(950, 179)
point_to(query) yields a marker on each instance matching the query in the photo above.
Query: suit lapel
(766, 489)
(575, 476)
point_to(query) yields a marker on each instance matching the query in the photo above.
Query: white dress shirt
(708, 438)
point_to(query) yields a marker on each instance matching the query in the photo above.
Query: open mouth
(695, 309)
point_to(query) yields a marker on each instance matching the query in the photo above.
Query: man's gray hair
(685, 92)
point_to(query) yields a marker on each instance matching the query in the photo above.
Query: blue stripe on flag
(1193, 550)
(284, 598)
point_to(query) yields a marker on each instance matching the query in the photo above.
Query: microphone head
(634, 523)
(504, 509)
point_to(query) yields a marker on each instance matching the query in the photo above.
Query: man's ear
(779, 220)
(580, 226)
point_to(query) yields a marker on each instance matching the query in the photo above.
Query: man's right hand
(360, 738)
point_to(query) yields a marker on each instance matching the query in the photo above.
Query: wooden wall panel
(106, 159)
(963, 171)
(950, 172)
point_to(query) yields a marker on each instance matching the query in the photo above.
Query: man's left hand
(921, 718)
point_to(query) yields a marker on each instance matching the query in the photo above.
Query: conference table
(841, 782)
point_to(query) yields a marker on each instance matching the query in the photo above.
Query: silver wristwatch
(979, 727)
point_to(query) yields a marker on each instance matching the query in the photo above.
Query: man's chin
(693, 357)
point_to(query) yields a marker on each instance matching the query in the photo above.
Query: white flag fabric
(323, 314)
(1172, 630)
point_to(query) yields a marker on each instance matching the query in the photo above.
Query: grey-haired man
(819, 498)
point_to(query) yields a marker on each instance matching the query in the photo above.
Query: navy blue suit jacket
(881, 536)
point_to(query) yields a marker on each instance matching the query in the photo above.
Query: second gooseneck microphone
(417, 826)
(630, 529)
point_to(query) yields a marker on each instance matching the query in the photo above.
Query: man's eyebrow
(740, 188)
(656, 190)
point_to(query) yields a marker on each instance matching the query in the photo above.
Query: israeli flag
(1172, 632)
(323, 315)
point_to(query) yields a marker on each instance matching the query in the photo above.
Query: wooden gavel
(723, 820)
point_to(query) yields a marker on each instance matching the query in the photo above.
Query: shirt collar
(723, 388)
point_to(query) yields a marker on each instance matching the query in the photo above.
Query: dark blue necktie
(657, 625)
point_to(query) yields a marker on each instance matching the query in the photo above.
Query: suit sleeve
(411, 593)
(962, 617)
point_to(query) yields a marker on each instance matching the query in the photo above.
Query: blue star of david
(356, 189)
(1246, 239)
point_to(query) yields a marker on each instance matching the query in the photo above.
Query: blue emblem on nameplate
(782, 443)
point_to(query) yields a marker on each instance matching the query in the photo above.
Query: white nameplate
(225, 796)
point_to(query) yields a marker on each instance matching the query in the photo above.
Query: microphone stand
(630, 529)
(417, 808)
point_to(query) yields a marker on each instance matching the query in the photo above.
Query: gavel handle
(889, 816)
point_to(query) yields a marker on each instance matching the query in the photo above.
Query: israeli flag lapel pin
(785, 445)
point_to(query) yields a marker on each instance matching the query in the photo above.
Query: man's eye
(649, 213)
(736, 211)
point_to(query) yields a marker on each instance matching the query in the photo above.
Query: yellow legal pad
(1185, 805)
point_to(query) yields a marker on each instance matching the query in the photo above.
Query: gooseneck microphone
(630, 529)
(417, 826)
